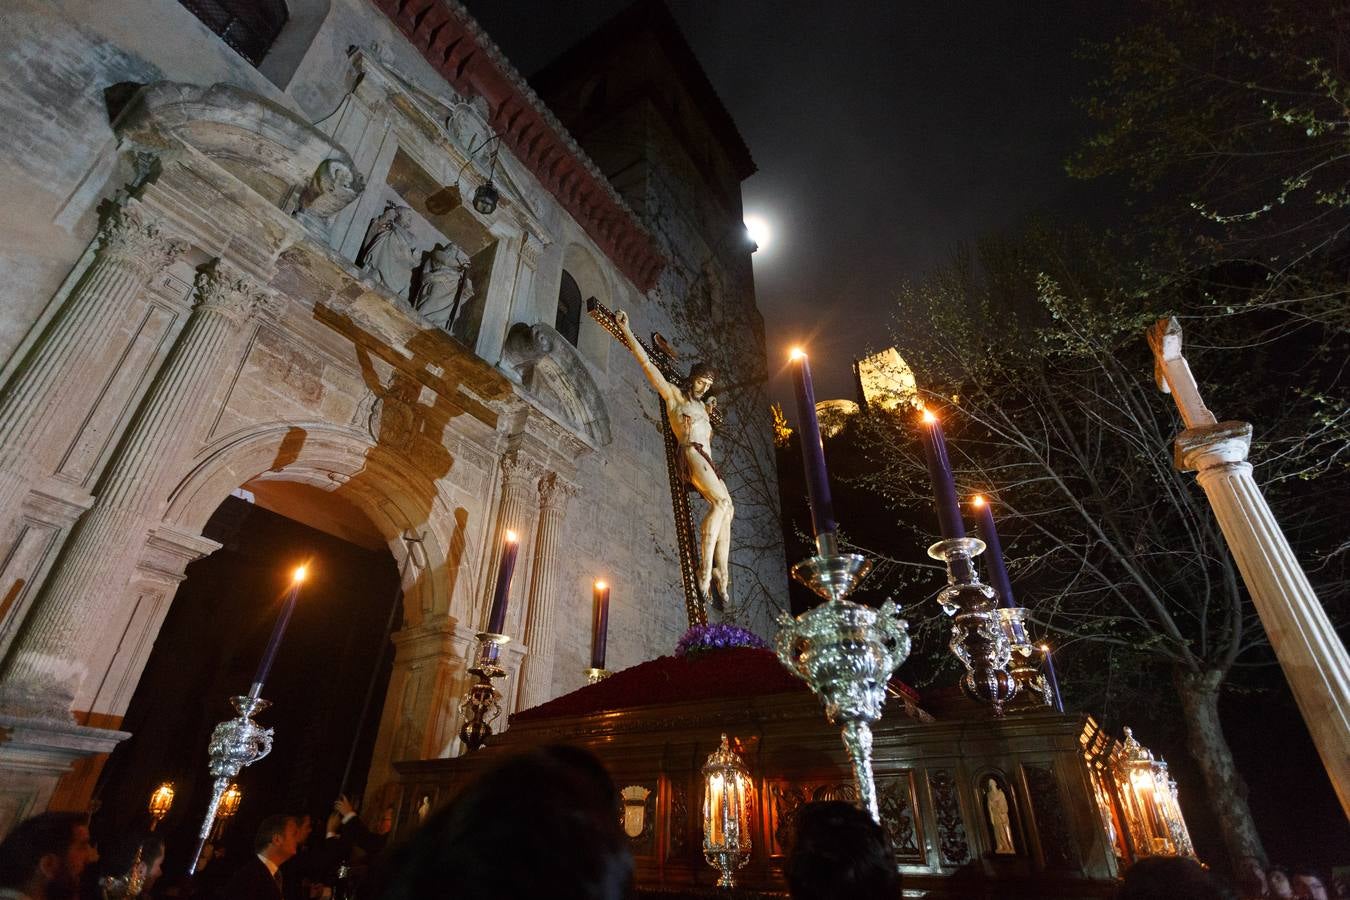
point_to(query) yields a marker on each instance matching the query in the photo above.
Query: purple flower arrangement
(703, 639)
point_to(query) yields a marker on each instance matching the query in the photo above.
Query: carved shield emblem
(634, 809)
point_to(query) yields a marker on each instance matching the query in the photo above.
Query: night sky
(885, 135)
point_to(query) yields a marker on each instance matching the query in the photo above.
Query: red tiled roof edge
(458, 48)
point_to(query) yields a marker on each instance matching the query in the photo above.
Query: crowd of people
(554, 807)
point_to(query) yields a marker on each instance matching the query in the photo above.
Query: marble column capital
(130, 235)
(555, 491)
(519, 471)
(1220, 446)
(223, 289)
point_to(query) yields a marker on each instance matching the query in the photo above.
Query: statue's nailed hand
(621, 317)
(710, 404)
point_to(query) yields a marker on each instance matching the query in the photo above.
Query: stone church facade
(233, 263)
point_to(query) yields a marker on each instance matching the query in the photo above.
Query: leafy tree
(1032, 350)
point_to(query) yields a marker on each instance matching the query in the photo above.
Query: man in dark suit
(259, 878)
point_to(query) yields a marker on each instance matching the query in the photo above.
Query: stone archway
(401, 498)
(389, 488)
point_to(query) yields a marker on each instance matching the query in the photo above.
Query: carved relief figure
(387, 254)
(1000, 820)
(446, 288)
(688, 410)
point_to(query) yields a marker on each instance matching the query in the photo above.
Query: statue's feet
(719, 592)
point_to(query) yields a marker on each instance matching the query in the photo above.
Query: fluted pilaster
(47, 662)
(515, 510)
(133, 248)
(1314, 660)
(536, 673)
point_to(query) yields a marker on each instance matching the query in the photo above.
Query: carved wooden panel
(679, 842)
(896, 802)
(953, 845)
(895, 799)
(1047, 804)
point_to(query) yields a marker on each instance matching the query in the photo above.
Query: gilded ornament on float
(728, 802)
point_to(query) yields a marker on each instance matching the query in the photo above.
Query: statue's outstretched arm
(658, 381)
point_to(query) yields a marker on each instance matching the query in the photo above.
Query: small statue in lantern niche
(446, 288)
(999, 818)
(387, 253)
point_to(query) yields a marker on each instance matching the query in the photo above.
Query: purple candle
(998, 572)
(599, 625)
(813, 448)
(1051, 677)
(278, 632)
(940, 473)
(507, 567)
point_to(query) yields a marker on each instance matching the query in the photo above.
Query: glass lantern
(1149, 797)
(728, 799)
(161, 801)
(229, 805)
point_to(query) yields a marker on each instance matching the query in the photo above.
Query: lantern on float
(1152, 813)
(229, 805)
(161, 801)
(727, 803)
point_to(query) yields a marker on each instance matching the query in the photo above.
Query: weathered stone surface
(312, 374)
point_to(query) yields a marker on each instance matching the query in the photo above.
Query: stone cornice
(454, 44)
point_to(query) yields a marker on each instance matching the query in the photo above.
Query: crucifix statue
(689, 414)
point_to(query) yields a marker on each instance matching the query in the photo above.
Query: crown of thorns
(702, 370)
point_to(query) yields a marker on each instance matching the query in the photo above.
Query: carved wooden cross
(685, 532)
(1173, 373)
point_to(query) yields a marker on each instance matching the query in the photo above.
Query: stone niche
(276, 153)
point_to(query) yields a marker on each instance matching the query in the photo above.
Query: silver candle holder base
(482, 706)
(978, 636)
(846, 653)
(235, 744)
(595, 676)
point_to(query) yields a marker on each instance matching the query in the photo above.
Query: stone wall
(183, 316)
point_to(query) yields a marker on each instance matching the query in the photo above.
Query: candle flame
(928, 417)
(299, 574)
(977, 501)
(797, 353)
(600, 586)
(1045, 648)
(511, 537)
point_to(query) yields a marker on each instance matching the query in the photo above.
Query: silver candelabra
(235, 744)
(845, 652)
(978, 636)
(483, 704)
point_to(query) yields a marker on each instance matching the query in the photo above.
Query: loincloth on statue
(683, 465)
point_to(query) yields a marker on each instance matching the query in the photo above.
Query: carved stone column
(1314, 660)
(49, 660)
(536, 672)
(36, 408)
(132, 250)
(520, 477)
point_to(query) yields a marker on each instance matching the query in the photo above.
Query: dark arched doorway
(335, 654)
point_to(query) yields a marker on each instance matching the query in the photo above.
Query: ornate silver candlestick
(483, 705)
(1025, 658)
(235, 744)
(978, 637)
(845, 651)
(595, 676)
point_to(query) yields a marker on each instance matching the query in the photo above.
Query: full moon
(759, 231)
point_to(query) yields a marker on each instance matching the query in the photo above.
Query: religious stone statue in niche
(387, 253)
(328, 191)
(687, 409)
(1000, 819)
(446, 288)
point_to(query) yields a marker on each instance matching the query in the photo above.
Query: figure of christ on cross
(688, 413)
